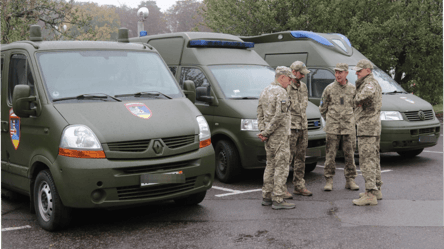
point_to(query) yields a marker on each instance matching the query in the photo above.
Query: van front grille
(314, 123)
(129, 146)
(151, 168)
(137, 192)
(176, 142)
(419, 115)
(426, 130)
(142, 145)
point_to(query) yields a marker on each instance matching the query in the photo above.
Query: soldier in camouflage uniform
(298, 94)
(336, 108)
(273, 118)
(368, 102)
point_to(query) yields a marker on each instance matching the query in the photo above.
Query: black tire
(193, 199)
(228, 166)
(310, 167)
(50, 212)
(410, 153)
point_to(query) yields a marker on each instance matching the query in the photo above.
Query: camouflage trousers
(369, 162)
(348, 147)
(298, 147)
(277, 148)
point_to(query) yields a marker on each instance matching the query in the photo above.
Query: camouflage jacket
(299, 99)
(368, 102)
(337, 108)
(273, 116)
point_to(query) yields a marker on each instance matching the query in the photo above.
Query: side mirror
(190, 90)
(21, 101)
(203, 93)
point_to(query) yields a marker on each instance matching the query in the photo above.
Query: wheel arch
(224, 136)
(39, 163)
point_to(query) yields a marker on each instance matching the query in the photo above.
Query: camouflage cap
(282, 70)
(299, 66)
(341, 67)
(362, 64)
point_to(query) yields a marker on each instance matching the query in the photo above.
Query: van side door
(18, 134)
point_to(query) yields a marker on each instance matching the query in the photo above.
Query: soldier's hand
(262, 138)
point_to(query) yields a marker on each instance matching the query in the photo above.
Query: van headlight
(249, 125)
(204, 132)
(81, 142)
(391, 115)
(322, 122)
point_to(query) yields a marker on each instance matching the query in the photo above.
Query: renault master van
(228, 78)
(408, 122)
(98, 125)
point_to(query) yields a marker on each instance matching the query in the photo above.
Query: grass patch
(438, 108)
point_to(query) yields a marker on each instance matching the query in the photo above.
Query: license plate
(427, 139)
(171, 177)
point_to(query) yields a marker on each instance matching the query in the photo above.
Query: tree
(53, 15)
(184, 16)
(400, 36)
(105, 22)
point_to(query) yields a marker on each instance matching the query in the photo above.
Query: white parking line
(233, 192)
(225, 189)
(15, 228)
(432, 151)
(382, 171)
(239, 192)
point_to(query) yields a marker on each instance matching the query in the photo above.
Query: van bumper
(252, 150)
(404, 136)
(104, 183)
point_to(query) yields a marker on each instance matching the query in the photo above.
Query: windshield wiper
(139, 94)
(394, 92)
(89, 96)
(245, 98)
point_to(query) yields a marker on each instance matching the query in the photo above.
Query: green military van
(408, 122)
(228, 78)
(98, 125)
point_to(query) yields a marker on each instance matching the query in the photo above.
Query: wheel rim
(45, 201)
(222, 162)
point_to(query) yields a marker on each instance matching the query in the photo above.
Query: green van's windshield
(243, 81)
(388, 85)
(72, 73)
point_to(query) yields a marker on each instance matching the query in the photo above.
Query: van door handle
(5, 126)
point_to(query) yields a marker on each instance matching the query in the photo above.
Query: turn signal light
(205, 143)
(82, 153)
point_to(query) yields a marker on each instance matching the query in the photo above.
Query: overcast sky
(162, 4)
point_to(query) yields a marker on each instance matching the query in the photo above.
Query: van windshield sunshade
(307, 34)
(221, 44)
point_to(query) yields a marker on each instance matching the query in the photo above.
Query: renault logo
(421, 115)
(157, 147)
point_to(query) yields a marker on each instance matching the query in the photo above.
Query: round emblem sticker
(139, 109)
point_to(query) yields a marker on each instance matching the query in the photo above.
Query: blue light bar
(221, 44)
(344, 38)
(308, 34)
